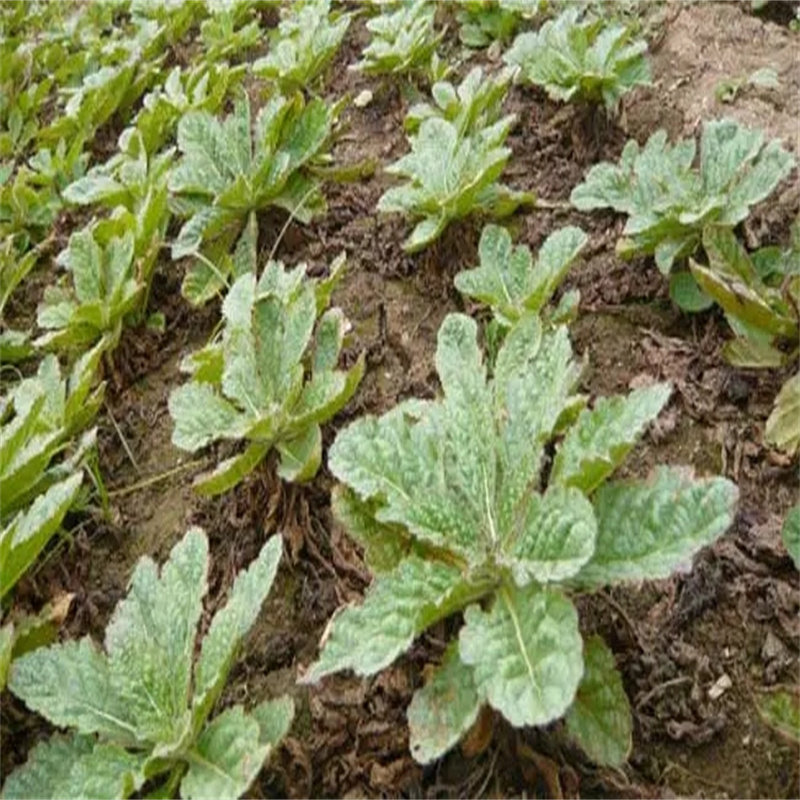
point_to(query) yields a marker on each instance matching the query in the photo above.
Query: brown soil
(734, 614)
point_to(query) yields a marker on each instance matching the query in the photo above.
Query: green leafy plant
(403, 40)
(446, 498)
(474, 105)
(483, 22)
(251, 386)
(509, 282)
(136, 709)
(225, 173)
(41, 467)
(756, 293)
(305, 42)
(134, 186)
(451, 176)
(92, 302)
(202, 88)
(668, 201)
(574, 58)
(229, 32)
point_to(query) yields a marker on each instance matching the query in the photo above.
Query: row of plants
(498, 528)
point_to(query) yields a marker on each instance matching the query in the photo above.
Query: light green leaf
(274, 718)
(556, 538)
(603, 436)
(151, 637)
(783, 425)
(301, 457)
(384, 545)
(200, 416)
(443, 710)
(231, 624)
(525, 653)
(70, 685)
(75, 768)
(646, 530)
(600, 718)
(398, 606)
(27, 535)
(226, 757)
(231, 471)
(752, 353)
(686, 294)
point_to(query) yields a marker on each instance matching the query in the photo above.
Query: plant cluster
(303, 45)
(490, 508)
(228, 169)
(252, 385)
(669, 200)
(457, 156)
(577, 57)
(449, 501)
(148, 718)
(483, 22)
(403, 41)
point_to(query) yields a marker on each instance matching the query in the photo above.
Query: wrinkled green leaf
(600, 718)
(576, 57)
(646, 531)
(783, 425)
(526, 653)
(443, 710)
(399, 605)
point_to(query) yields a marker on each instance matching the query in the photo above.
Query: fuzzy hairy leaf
(443, 710)
(668, 201)
(231, 624)
(150, 639)
(399, 605)
(602, 437)
(645, 531)
(595, 60)
(600, 718)
(451, 176)
(783, 425)
(252, 386)
(403, 40)
(526, 653)
(556, 540)
(226, 757)
(507, 279)
(74, 768)
(139, 696)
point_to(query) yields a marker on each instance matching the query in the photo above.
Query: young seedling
(574, 57)
(456, 512)
(669, 201)
(226, 172)
(252, 385)
(403, 41)
(306, 41)
(450, 176)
